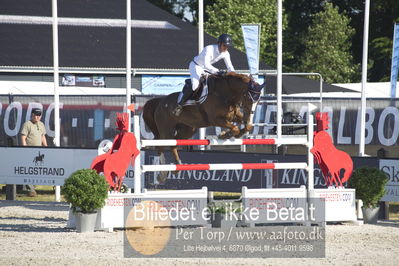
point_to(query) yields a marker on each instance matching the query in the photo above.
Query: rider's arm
(228, 63)
(207, 60)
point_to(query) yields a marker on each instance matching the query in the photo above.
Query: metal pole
(310, 146)
(11, 189)
(200, 47)
(128, 58)
(200, 25)
(279, 65)
(364, 78)
(137, 162)
(56, 84)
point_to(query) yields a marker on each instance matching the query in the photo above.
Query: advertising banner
(83, 126)
(162, 85)
(42, 166)
(251, 34)
(234, 180)
(391, 168)
(83, 81)
(395, 60)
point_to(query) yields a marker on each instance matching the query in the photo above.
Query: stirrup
(177, 111)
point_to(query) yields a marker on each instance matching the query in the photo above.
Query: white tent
(47, 88)
(373, 90)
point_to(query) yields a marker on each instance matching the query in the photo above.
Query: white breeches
(195, 74)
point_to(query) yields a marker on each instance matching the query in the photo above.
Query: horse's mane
(243, 77)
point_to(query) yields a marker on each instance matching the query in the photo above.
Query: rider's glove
(221, 73)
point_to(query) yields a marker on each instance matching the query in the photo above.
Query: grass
(44, 193)
(226, 195)
(394, 210)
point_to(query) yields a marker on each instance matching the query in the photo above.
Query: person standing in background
(33, 133)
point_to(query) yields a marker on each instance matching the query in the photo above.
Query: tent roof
(92, 36)
(159, 39)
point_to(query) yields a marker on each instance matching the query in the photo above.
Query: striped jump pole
(218, 142)
(226, 166)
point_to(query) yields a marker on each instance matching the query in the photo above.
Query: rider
(203, 63)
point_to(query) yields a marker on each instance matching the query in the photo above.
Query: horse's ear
(260, 87)
(263, 85)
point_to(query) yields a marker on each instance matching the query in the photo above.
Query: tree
(380, 59)
(226, 16)
(383, 13)
(177, 8)
(327, 47)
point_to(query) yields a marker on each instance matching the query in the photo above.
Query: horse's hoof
(225, 135)
(162, 177)
(175, 172)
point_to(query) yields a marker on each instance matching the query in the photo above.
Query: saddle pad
(200, 100)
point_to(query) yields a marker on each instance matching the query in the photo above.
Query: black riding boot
(186, 95)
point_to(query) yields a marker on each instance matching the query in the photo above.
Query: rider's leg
(195, 73)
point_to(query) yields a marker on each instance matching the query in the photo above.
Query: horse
(331, 160)
(115, 162)
(227, 94)
(38, 159)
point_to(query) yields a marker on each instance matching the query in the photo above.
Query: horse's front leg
(248, 111)
(233, 130)
(238, 115)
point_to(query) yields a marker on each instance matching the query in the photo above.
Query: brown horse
(226, 96)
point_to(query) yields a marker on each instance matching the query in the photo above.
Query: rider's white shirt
(210, 55)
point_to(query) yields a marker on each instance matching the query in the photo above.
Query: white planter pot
(85, 222)
(370, 215)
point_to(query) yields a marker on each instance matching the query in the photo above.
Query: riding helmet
(225, 39)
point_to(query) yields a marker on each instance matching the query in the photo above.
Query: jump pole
(140, 168)
(310, 169)
(137, 162)
(228, 142)
(225, 166)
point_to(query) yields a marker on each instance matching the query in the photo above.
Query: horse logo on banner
(115, 162)
(336, 166)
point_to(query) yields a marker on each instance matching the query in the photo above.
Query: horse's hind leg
(183, 132)
(162, 160)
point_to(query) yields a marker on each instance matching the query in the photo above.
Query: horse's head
(241, 83)
(122, 121)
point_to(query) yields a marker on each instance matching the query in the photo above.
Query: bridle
(254, 90)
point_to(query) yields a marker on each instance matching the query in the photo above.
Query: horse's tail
(149, 115)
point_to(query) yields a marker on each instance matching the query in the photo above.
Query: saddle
(200, 94)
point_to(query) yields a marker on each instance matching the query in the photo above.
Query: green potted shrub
(220, 217)
(370, 184)
(86, 191)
